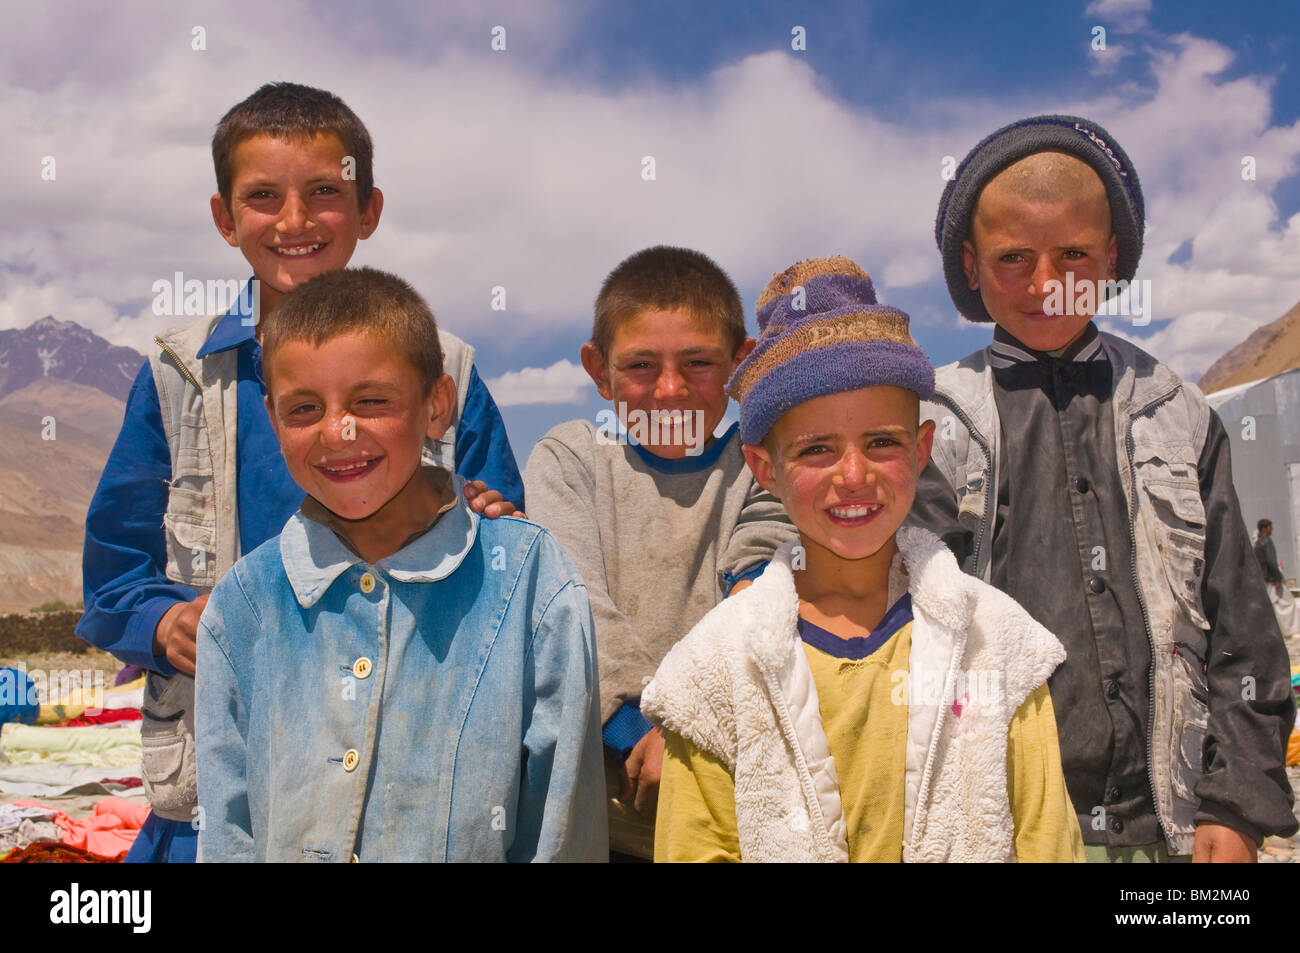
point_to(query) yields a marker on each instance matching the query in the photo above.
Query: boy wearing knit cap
(662, 519)
(862, 700)
(1083, 478)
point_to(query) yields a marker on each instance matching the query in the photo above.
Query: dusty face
(351, 418)
(1019, 244)
(666, 362)
(845, 467)
(293, 214)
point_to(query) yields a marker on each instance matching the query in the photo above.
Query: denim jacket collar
(314, 556)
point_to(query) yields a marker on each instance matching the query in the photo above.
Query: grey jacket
(198, 399)
(1161, 425)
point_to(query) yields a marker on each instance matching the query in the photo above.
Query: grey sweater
(656, 541)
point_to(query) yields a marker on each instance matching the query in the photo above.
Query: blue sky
(521, 168)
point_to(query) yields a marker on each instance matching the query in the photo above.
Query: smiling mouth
(297, 251)
(856, 514)
(345, 471)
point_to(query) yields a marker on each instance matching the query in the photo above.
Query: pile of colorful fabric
(56, 755)
(106, 835)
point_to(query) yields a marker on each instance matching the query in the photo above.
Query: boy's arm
(935, 509)
(221, 731)
(762, 527)
(561, 493)
(1047, 828)
(561, 814)
(482, 446)
(697, 807)
(126, 593)
(1245, 785)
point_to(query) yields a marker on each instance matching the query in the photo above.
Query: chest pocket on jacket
(1175, 495)
(191, 538)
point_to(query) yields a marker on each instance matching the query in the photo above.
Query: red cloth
(105, 717)
(110, 830)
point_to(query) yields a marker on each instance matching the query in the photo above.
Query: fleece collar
(923, 566)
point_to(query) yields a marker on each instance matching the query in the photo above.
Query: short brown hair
(288, 111)
(664, 278)
(359, 300)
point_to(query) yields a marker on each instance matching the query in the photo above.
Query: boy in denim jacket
(392, 678)
(195, 478)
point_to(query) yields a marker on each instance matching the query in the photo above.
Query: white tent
(1262, 419)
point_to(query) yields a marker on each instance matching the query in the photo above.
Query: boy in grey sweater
(661, 517)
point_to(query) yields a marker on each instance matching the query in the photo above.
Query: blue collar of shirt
(231, 330)
(314, 556)
(688, 464)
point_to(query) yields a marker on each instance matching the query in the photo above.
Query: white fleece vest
(739, 687)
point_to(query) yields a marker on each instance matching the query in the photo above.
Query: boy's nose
(670, 384)
(853, 469)
(1044, 271)
(338, 431)
(293, 214)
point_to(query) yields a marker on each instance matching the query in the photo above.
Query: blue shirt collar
(688, 464)
(314, 557)
(231, 330)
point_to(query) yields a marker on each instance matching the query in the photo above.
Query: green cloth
(108, 746)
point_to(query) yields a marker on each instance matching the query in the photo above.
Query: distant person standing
(1284, 604)
(1266, 553)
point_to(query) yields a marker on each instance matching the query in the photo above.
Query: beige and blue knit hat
(822, 332)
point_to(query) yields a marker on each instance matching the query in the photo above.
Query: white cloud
(1128, 14)
(562, 383)
(497, 173)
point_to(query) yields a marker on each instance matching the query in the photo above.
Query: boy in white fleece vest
(864, 699)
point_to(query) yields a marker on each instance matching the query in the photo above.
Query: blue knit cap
(1072, 135)
(822, 333)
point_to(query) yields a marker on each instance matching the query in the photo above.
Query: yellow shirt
(697, 812)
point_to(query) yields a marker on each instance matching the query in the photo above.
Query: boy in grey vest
(1081, 476)
(196, 478)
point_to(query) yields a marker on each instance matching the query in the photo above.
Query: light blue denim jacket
(441, 704)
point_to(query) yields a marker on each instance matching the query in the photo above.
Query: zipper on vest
(212, 462)
(1146, 619)
(988, 480)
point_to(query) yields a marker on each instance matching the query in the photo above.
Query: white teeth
(354, 466)
(853, 512)
(294, 252)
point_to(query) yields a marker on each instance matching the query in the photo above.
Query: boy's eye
(814, 449)
(301, 410)
(884, 442)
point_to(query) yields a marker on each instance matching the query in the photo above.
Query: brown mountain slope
(1268, 350)
(46, 485)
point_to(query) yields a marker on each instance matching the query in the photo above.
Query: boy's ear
(370, 214)
(1112, 255)
(924, 444)
(968, 264)
(224, 221)
(597, 368)
(760, 464)
(743, 351)
(443, 405)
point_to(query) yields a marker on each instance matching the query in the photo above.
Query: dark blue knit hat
(1072, 135)
(822, 333)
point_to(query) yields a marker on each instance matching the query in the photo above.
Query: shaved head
(1044, 177)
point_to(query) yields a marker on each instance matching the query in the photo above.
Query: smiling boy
(195, 477)
(1088, 481)
(660, 530)
(389, 642)
(862, 700)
